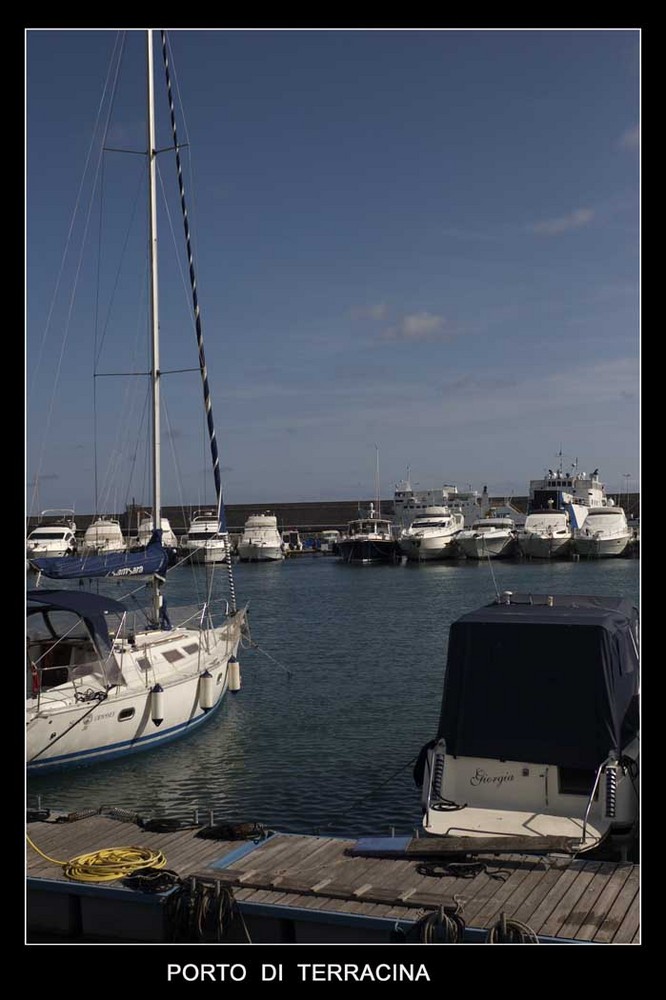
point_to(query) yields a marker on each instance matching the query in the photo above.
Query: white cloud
(574, 220)
(631, 138)
(376, 312)
(416, 326)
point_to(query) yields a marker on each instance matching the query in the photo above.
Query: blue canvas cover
(545, 684)
(92, 608)
(153, 560)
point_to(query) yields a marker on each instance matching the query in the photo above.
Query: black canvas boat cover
(527, 681)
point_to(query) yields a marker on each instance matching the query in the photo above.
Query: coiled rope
(462, 869)
(197, 911)
(508, 931)
(106, 865)
(443, 925)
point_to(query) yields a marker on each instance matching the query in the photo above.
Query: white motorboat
(291, 541)
(103, 535)
(605, 533)
(368, 539)
(433, 535)
(145, 532)
(204, 541)
(488, 538)
(102, 681)
(328, 541)
(261, 541)
(535, 749)
(558, 505)
(546, 534)
(54, 535)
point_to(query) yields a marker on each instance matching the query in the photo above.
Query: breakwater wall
(305, 517)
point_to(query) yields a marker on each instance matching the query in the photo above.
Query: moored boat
(531, 745)
(488, 538)
(204, 542)
(605, 533)
(432, 535)
(368, 539)
(261, 541)
(54, 535)
(100, 682)
(103, 535)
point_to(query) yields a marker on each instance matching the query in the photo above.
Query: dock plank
(558, 897)
(587, 902)
(578, 883)
(618, 910)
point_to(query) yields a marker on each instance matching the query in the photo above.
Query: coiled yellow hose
(106, 865)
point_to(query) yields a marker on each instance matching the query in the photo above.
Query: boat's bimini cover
(553, 684)
(92, 608)
(154, 559)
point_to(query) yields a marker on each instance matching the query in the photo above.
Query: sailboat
(100, 683)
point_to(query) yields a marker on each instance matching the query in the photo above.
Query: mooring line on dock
(369, 795)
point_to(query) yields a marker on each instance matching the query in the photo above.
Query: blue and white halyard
(99, 684)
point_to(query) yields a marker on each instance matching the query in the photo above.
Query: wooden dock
(292, 888)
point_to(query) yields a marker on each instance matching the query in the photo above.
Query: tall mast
(154, 317)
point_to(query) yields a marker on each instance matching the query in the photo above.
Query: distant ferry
(409, 504)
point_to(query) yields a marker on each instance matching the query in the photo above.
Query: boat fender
(419, 766)
(157, 705)
(234, 674)
(206, 692)
(611, 788)
(35, 680)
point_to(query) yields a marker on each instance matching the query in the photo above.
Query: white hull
(428, 548)
(81, 722)
(255, 552)
(207, 553)
(601, 548)
(522, 799)
(47, 551)
(485, 546)
(488, 538)
(536, 546)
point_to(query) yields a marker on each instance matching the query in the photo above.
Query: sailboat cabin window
(172, 655)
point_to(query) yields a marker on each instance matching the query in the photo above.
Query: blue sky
(418, 245)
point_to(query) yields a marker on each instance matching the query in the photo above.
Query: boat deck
(317, 889)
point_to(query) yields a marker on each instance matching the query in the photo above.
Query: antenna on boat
(379, 503)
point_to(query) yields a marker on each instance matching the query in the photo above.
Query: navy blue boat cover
(91, 607)
(554, 685)
(154, 559)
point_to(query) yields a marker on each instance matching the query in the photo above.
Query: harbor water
(341, 688)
